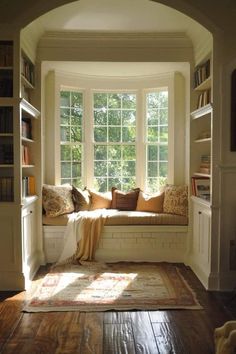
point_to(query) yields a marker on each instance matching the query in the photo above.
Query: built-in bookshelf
(201, 133)
(27, 77)
(29, 115)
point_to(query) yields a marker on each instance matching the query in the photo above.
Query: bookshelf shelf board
(202, 111)
(202, 174)
(6, 134)
(202, 140)
(6, 67)
(27, 140)
(205, 85)
(26, 82)
(6, 165)
(27, 166)
(29, 108)
(29, 200)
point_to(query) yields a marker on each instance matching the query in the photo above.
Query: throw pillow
(152, 203)
(100, 200)
(57, 200)
(176, 200)
(81, 199)
(124, 200)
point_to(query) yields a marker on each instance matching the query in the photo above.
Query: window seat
(128, 236)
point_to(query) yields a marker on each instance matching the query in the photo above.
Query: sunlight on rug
(94, 286)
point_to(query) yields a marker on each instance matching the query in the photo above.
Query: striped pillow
(124, 200)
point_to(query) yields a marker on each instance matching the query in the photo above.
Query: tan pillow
(100, 200)
(124, 200)
(152, 203)
(176, 200)
(81, 199)
(57, 200)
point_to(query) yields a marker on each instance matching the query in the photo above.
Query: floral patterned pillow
(57, 200)
(176, 200)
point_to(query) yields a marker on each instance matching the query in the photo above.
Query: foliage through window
(114, 139)
(156, 139)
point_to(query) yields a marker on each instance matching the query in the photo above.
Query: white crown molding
(81, 39)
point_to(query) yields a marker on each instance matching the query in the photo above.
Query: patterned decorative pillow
(124, 200)
(57, 200)
(100, 200)
(81, 199)
(176, 200)
(151, 203)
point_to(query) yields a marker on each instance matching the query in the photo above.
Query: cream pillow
(151, 203)
(57, 200)
(176, 200)
(100, 200)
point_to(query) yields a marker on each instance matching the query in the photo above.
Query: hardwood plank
(92, 341)
(117, 317)
(118, 339)
(144, 338)
(10, 315)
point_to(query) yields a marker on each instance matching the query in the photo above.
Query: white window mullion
(140, 141)
(88, 139)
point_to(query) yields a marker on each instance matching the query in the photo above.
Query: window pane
(114, 182)
(128, 134)
(163, 113)
(114, 168)
(100, 152)
(100, 100)
(163, 169)
(129, 152)
(65, 116)
(65, 152)
(77, 182)
(100, 168)
(114, 152)
(128, 101)
(65, 169)
(76, 99)
(76, 134)
(128, 168)
(152, 134)
(128, 118)
(65, 99)
(100, 184)
(100, 117)
(76, 169)
(163, 150)
(114, 100)
(65, 134)
(114, 117)
(114, 134)
(152, 169)
(152, 117)
(76, 116)
(163, 134)
(128, 183)
(77, 153)
(152, 152)
(100, 134)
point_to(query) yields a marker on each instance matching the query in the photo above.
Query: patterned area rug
(93, 286)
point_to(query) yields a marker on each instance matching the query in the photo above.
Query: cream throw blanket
(82, 235)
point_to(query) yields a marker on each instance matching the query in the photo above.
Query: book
(201, 187)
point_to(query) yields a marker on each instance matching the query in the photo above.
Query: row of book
(6, 189)
(201, 73)
(204, 98)
(6, 154)
(6, 53)
(6, 120)
(26, 127)
(6, 83)
(25, 155)
(28, 186)
(27, 70)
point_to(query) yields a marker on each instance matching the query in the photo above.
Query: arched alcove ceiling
(123, 16)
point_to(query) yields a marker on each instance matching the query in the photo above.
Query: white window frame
(135, 85)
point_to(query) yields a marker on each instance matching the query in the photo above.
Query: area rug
(93, 286)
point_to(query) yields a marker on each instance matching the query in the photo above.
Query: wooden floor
(146, 332)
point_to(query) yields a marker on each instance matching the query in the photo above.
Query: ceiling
(112, 16)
